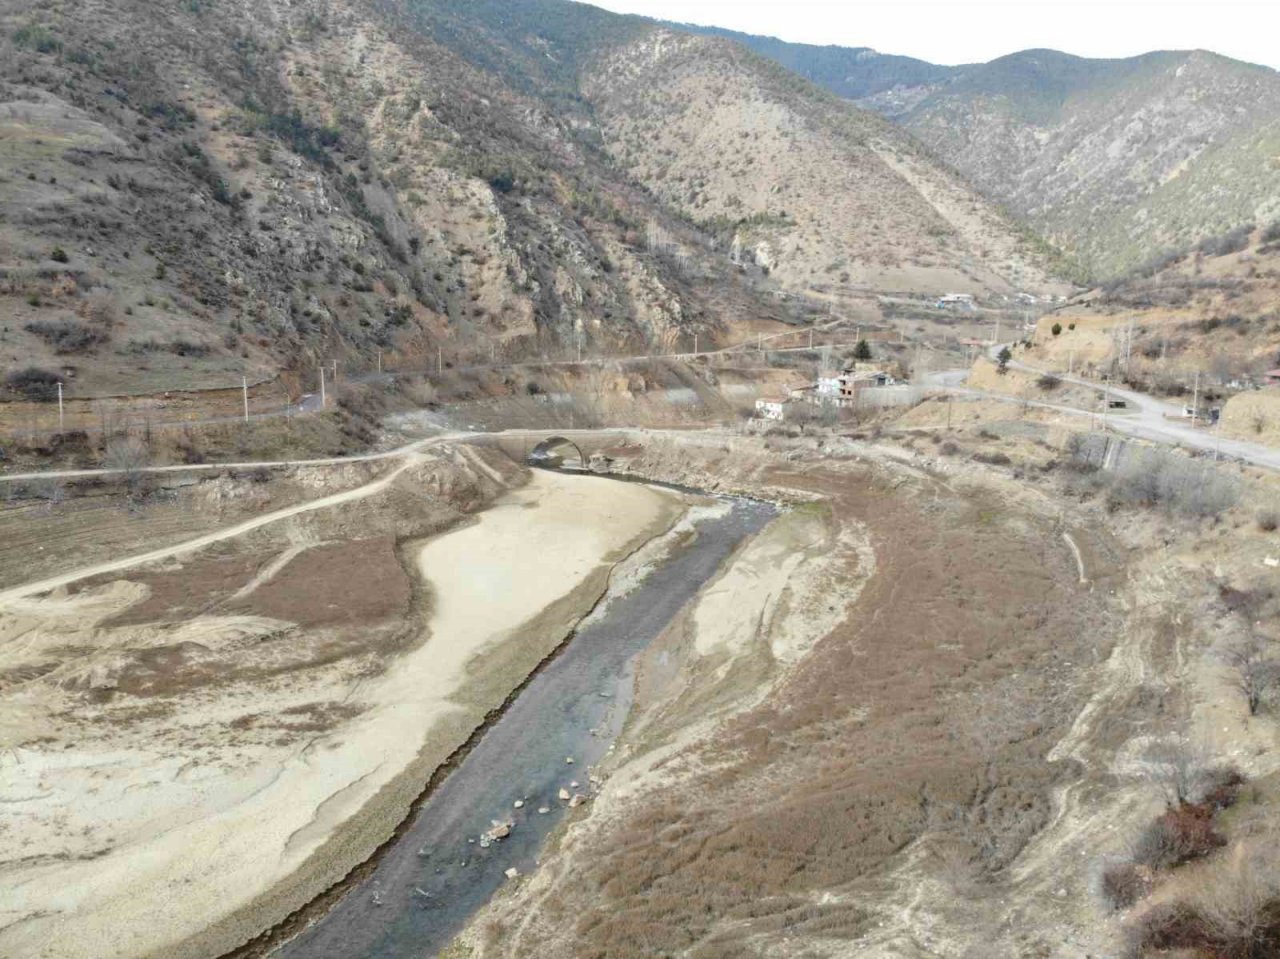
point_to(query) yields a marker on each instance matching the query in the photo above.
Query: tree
(129, 457)
(862, 351)
(1253, 672)
(1002, 359)
(1057, 329)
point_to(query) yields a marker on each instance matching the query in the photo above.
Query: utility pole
(60, 420)
(811, 337)
(244, 390)
(1195, 401)
(695, 344)
(439, 361)
(379, 361)
(335, 373)
(323, 404)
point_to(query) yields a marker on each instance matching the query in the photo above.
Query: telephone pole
(322, 397)
(1195, 401)
(439, 361)
(60, 420)
(244, 390)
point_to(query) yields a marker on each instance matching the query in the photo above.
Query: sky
(969, 31)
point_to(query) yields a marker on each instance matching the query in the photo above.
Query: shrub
(1057, 329)
(1268, 520)
(36, 38)
(59, 255)
(33, 383)
(1180, 835)
(1124, 883)
(67, 336)
(1048, 382)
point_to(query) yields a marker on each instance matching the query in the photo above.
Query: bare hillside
(819, 193)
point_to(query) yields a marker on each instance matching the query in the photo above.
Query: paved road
(1148, 418)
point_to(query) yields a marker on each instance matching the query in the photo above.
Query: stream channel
(426, 886)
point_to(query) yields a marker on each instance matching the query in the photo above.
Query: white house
(770, 408)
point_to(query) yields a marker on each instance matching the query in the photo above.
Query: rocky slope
(1115, 160)
(1118, 159)
(196, 191)
(824, 196)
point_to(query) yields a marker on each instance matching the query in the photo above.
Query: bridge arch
(558, 452)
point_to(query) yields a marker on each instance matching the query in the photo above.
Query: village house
(770, 408)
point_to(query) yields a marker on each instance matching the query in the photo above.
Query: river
(426, 886)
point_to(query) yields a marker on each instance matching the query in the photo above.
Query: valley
(488, 479)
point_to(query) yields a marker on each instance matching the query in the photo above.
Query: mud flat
(140, 838)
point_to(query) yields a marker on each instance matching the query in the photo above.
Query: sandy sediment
(203, 851)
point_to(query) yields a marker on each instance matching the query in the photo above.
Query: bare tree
(128, 456)
(1253, 671)
(1181, 768)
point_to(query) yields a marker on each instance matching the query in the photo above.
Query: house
(828, 386)
(770, 408)
(852, 382)
(960, 301)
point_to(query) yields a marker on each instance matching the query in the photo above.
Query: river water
(427, 886)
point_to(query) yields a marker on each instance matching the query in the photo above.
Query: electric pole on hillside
(60, 420)
(439, 361)
(244, 390)
(1195, 401)
(322, 397)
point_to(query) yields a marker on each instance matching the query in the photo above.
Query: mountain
(1116, 161)
(854, 73)
(828, 198)
(200, 189)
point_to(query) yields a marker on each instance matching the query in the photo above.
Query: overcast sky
(967, 31)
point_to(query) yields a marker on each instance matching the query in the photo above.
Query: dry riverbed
(195, 747)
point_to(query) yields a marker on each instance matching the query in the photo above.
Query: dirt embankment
(201, 745)
(923, 644)
(1253, 416)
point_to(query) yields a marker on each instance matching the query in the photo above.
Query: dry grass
(932, 720)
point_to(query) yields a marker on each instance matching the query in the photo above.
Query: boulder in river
(512, 873)
(564, 794)
(577, 800)
(499, 830)
(518, 804)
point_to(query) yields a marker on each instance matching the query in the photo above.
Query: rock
(564, 793)
(577, 800)
(499, 830)
(518, 804)
(543, 810)
(568, 760)
(512, 873)
(574, 784)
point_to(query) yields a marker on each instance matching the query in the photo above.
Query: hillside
(196, 191)
(825, 196)
(854, 73)
(1117, 161)
(1212, 313)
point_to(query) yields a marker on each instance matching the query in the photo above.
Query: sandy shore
(197, 851)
